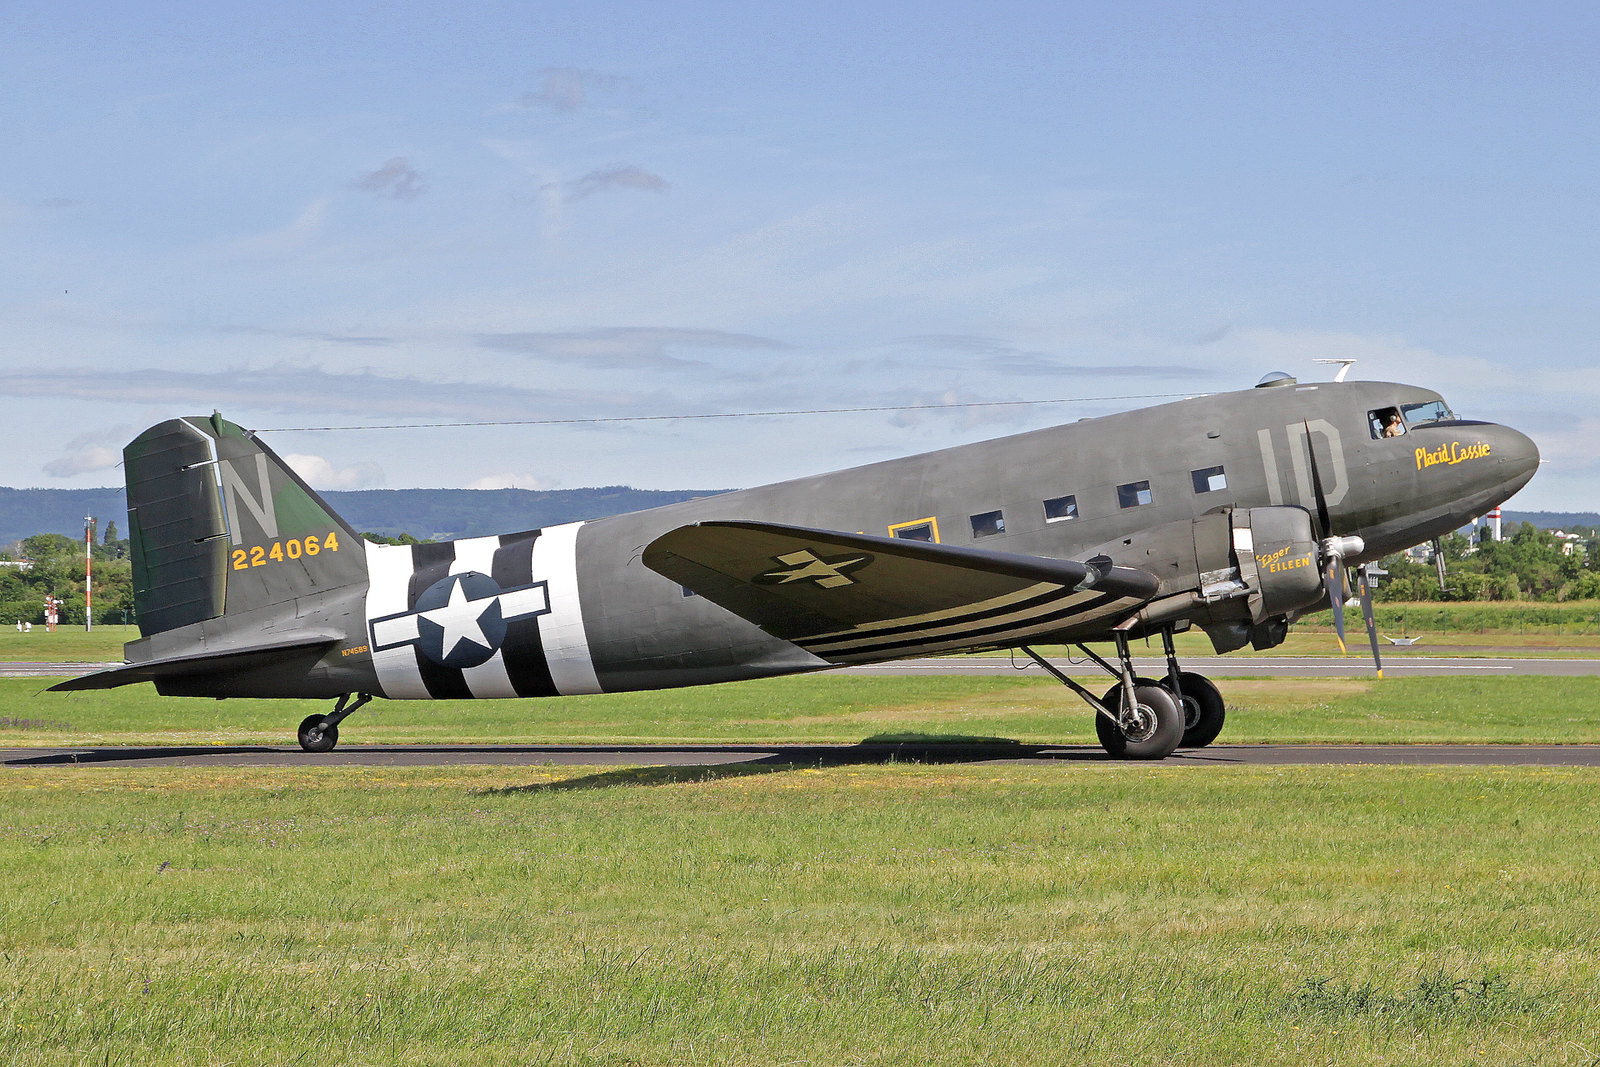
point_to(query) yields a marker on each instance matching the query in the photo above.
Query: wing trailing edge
(855, 598)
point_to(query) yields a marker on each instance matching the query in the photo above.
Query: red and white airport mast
(88, 572)
(1494, 524)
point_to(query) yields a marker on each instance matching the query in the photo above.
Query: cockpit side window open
(1386, 422)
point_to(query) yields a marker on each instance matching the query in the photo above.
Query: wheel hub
(1191, 712)
(1139, 724)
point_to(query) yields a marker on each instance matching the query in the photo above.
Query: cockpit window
(1386, 422)
(1432, 411)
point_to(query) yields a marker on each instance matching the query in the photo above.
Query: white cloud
(89, 452)
(623, 346)
(302, 390)
(619, 177)
(567, 88)
(320, 474)
(83, 460)
(305, 227)
(396, 179)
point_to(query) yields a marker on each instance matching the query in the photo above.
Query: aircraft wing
(852, 598)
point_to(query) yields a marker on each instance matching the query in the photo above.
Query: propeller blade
(1366, 614)
(1438, 561)
(1316, 487)
(1333, 581)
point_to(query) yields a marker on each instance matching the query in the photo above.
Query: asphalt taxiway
(998, 752)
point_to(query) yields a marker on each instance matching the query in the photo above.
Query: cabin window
(988, 524)
(1060, 509)
(916, 530)
(1432, 411)
(1209, 480)
(1386, 422)
(1133, 495)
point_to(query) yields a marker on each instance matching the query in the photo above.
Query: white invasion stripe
(389, 570)
(1023, 617)
(487, 680)
(566, 643)
(401, 630)
(867, 629)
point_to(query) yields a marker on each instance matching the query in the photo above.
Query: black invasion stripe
(523, 651)
(430, 563)
(1086, 608)
(1054, 595)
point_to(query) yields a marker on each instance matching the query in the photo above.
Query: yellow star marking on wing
(806, 567)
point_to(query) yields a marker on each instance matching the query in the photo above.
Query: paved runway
(785, 755)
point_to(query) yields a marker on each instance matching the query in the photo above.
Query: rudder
(219, 524)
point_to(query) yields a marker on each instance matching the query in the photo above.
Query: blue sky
(336, 214)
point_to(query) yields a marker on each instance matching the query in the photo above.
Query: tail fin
(245, 582)
(220, 525)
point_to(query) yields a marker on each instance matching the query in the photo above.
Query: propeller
(1334, 551)
(1366, 613)
(1438, 561)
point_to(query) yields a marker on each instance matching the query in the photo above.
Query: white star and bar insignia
(460, 620)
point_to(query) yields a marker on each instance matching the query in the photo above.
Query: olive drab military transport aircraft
(1234, 513)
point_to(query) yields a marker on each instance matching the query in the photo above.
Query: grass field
(1080, 914)
(870, 914)
(830, 708)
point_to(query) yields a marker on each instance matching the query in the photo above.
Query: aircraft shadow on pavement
(899, 749)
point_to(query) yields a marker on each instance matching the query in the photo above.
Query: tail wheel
(1203, 710)
(1150, 730)
(315, 737)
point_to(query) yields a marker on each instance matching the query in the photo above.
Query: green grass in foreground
(1068, 914)
(830, 708)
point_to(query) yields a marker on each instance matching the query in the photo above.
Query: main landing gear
(319, 733)
(1142, 718)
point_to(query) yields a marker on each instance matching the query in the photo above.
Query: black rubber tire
(1163, 735)
(314, 737)
(1204, 710)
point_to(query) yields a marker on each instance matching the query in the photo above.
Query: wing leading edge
(853, 598)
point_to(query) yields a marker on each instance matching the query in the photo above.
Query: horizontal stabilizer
(208, 662)
(853, 598)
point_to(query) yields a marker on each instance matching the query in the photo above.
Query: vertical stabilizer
(221, 526)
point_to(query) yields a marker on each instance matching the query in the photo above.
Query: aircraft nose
(1517, 454)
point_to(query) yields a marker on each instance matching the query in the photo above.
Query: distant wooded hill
(1550, 520)
(423, 513)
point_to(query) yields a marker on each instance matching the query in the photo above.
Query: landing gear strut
(319, 733)
(1200, 701)
(1141, 718)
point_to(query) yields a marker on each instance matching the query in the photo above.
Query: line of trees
(1531, 564)
(55, 568)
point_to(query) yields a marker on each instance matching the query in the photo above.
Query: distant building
(1571, 544)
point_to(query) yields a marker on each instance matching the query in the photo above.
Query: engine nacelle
(1242, 574)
